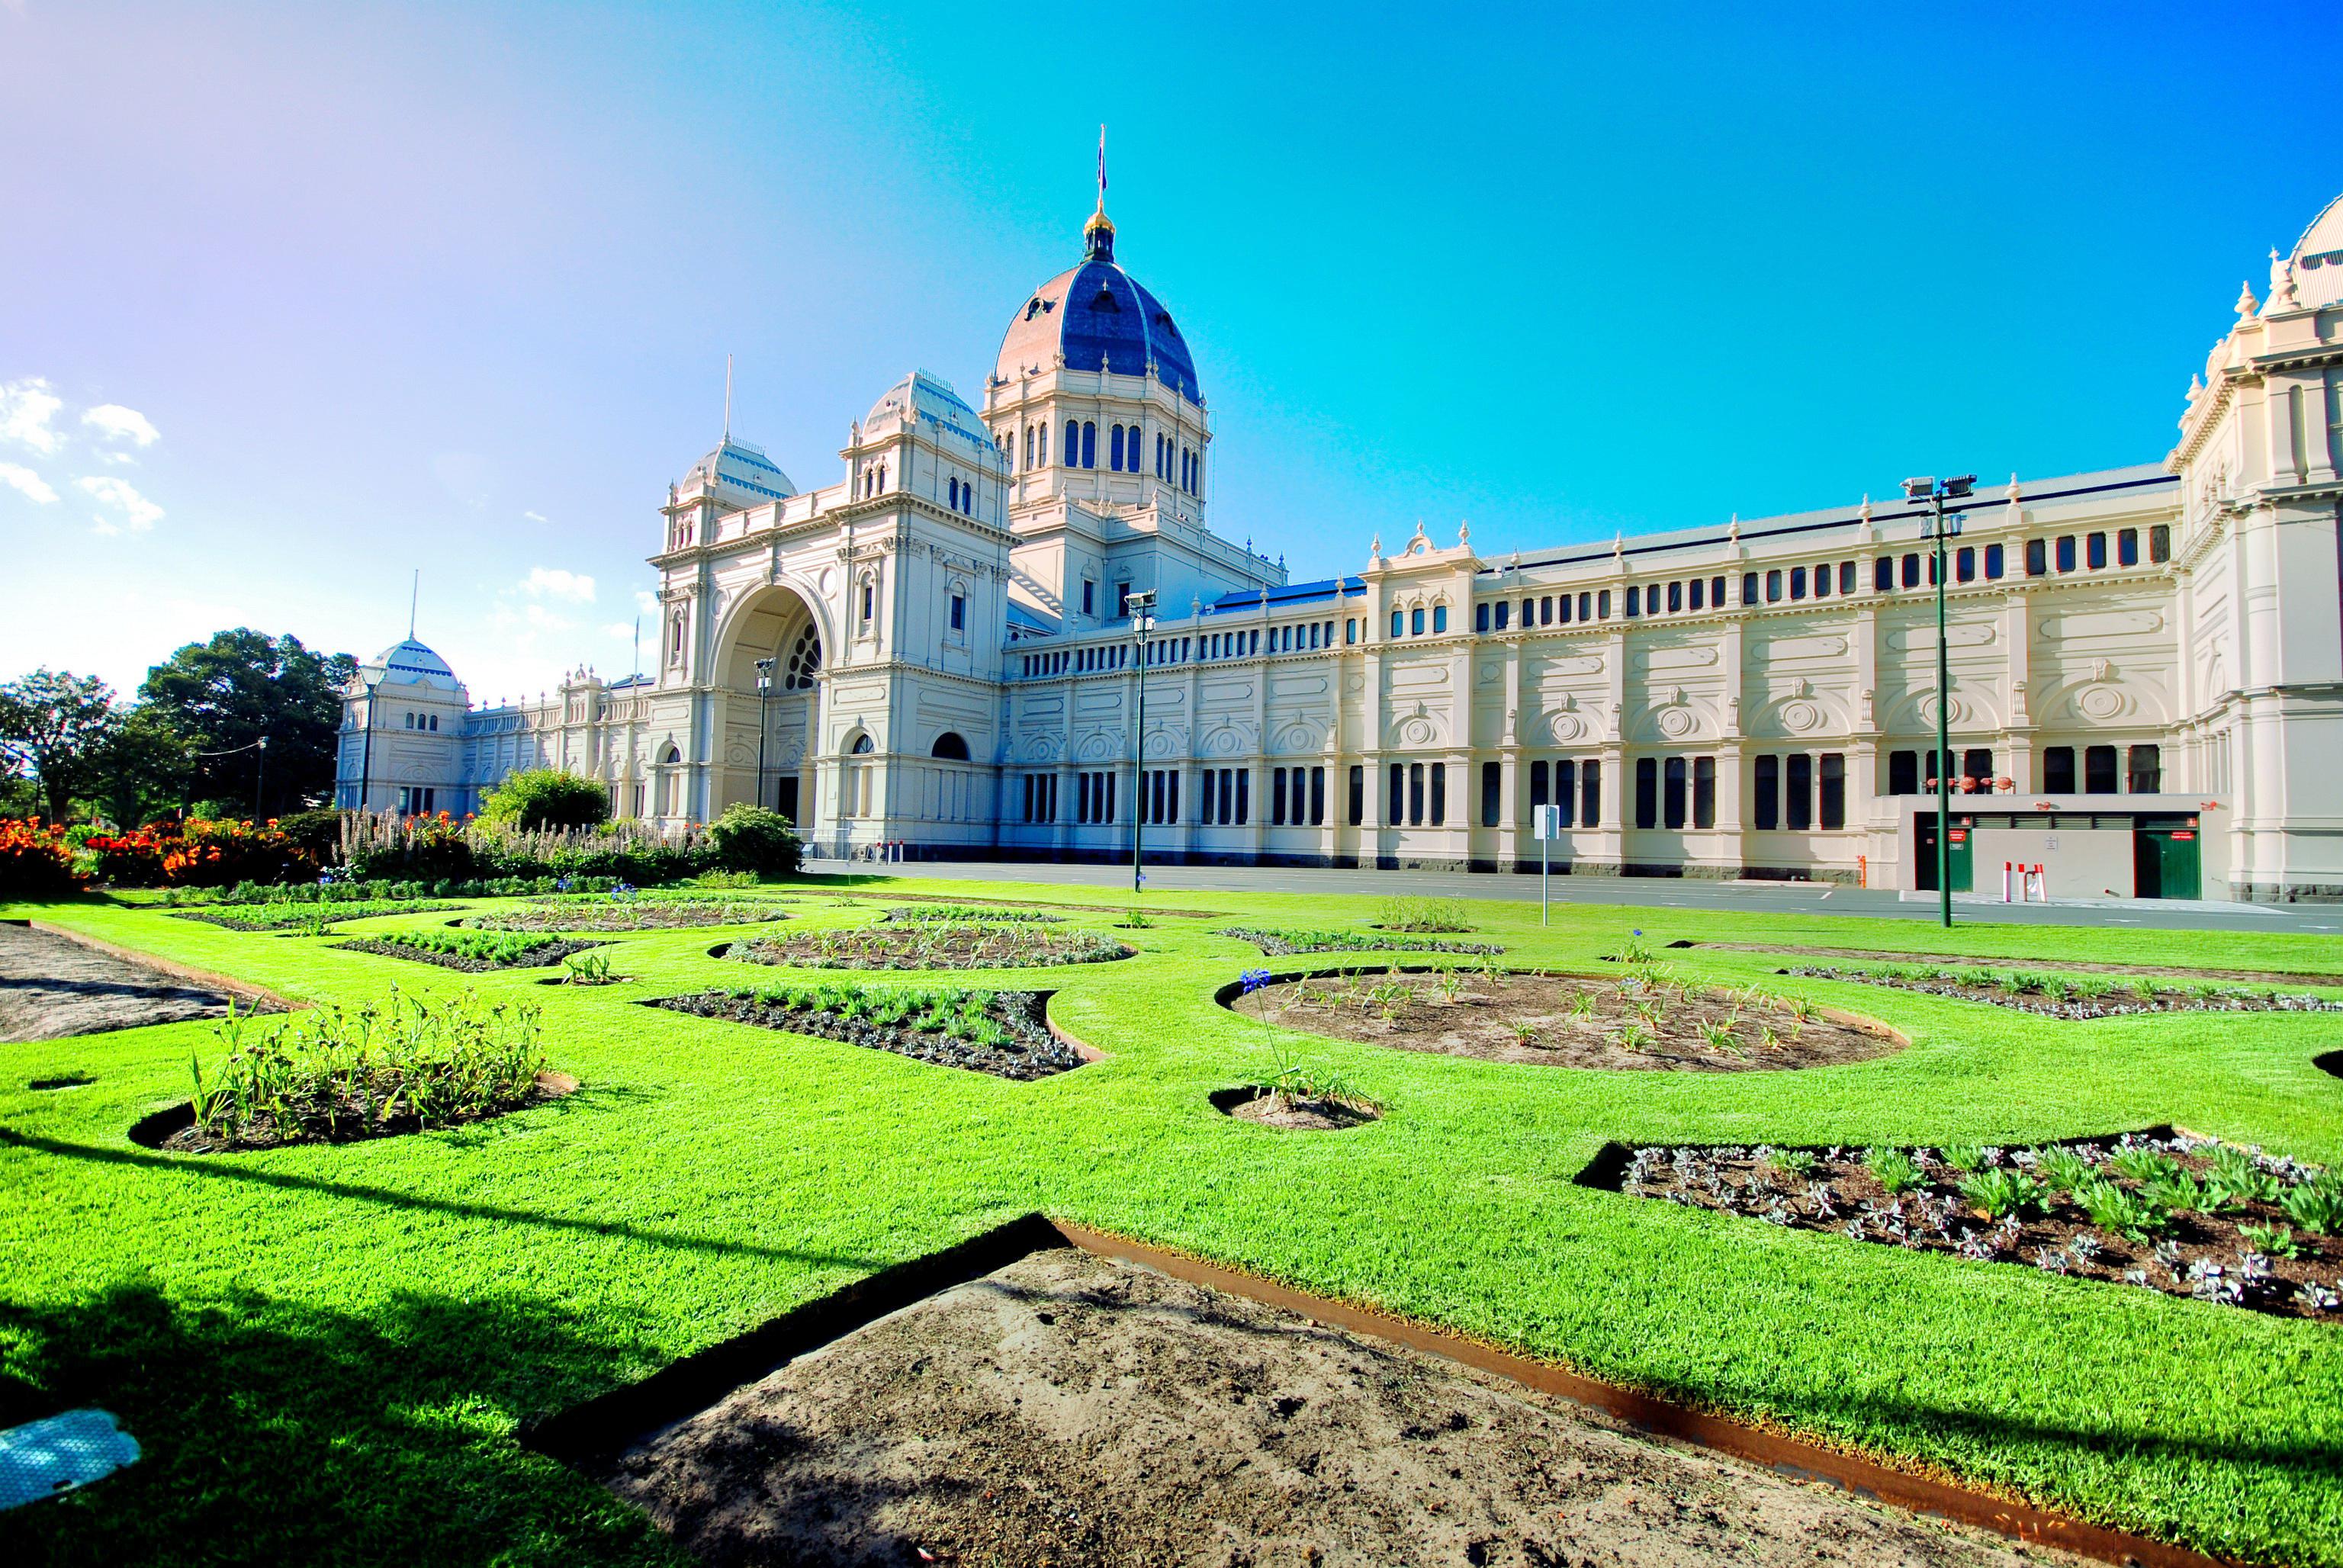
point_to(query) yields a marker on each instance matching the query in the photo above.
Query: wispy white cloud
(25, 410)
(139, 512)
(533, 516)
(117, 423)
(26, 482)
(553, 582)
(646, 602)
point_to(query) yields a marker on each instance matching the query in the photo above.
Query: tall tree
(144, 770)
(56, 726)
(224, 695)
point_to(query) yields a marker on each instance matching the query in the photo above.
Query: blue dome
(1098, 312)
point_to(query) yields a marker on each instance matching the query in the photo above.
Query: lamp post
(366, 750)
(259, 768)
(1143, 621)
(1932, 496)
(764, 693)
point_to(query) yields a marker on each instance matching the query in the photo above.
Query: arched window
(672, 758)
(1439, 617)
(1073, 455)
(805, 658)
(951, 747)
(1415, 622)
(1089, 444)
(862, 746)
(1029, 446)
(1114, 448)
(951, 489)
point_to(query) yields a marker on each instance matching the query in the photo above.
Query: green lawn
(326, 1351)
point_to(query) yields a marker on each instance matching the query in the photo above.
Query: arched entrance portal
(767, 749)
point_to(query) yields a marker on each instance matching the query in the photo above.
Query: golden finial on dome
(1097, 234)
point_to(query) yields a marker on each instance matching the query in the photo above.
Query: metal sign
(1545, 821)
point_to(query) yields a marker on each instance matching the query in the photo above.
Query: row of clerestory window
(1175, 462)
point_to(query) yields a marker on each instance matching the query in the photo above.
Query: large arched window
(805, 658)
(862, 746)
(951, 747)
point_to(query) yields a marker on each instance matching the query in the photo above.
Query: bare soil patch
(969, 944)
(1568, 1020)
(638, 914)
(2162, 1210)
(1284, 943)
(175, 1131)
(2069, 966)
(1071, 1409)
(2054, 996)
(1021, 1045)
(1292, 1113)
(535, 958)
(52, 987)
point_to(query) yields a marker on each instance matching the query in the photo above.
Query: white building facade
(2146, 663)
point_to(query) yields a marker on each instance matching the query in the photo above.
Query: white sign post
(1545, 821)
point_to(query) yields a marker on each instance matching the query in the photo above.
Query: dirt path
(1071, 1409)
(2058, 966)
(51, 987)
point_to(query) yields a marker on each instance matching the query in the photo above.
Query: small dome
(1097, 314)
(923, 397)
(738, 475)
(409, 663)
(2318, 259)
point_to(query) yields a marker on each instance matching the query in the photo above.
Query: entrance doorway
(2165, 859)
(785, 797)
(1962, 857)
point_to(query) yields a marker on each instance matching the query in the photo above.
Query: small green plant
(1524, 1032)
(2001, 1192)
(2141, 1164)
(2236, 1179)
(2148, 992)
(1633, 1037)
(2057, 988)
(1766, 1039)
(1792, 1162)
(2179, 1190)
(497, 949)
(1800, 1011)
(2094, 989)
(1895, 1170)
(1582, 1005)
(2275, 1240)
(1964, 1157)
(2317, 1204)
(1429, 915)
(2120, 1211)
(1717, 1035)
(587, 969)
(2062, 1169)
(1632, 951)
(1451, 985)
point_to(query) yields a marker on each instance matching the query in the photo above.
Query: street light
(1928, 494)
(1143, 621)
(764, 690)
(259, 763)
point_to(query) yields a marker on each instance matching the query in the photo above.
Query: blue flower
(561, 885)
(1254, 980)
(1639, 933)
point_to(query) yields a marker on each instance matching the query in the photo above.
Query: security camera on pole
(1927, 493)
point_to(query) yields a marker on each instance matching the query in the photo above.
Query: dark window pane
(2127, 548)
(1882, 574)
(2147, 769)
(2094, 551)
(1992, 564)
(1491, 773)
(1398, 794)
(1768, 791)
(1833, 790)
(2159, 543)
(1671, 813)
(1846, 577)
(1748, 587)
(1976, 772)
(2058, 770)
(1965, 565)
(2099, 770)
(1911, 571)
(2037, 558)
(1903, 773)
(1589, 794)
(1358, 794)
(1537, 783)
(1799, 804)
(1704, 791)
(1647, 793)
(2066, 552)
(1439, 794)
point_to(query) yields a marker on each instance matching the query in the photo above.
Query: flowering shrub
(442, 848)
(35, 861)
(197, 853)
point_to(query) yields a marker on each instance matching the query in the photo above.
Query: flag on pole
(1101, 168)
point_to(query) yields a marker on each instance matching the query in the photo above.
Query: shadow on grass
(279, 1433)
(216, 1167)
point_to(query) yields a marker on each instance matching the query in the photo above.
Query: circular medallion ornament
(2100, 701)
(1566, 728)
(1798, 717)
(1675, 723)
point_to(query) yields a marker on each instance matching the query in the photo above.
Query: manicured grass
(326, 1352)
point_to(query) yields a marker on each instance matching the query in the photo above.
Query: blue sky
(296, 299)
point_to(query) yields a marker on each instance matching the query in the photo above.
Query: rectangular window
(1358, 801)
(1676, 597)
(1696, 587)
(1704, 791)
(1545, 612)
(1398, 817)
(1601, 604)
(1481, 615)
(1317, 797)
(1846, 577)
(1903, 773)
(1911, 571)
(2094, 551)
(1797, 583)
(2127, 547)
(2099, 770)
(2058, 770)
(1976, 772)
(1965, 565)
(1671, 804)
(1399, 620)
(1716, 592)
(1244, 795)
(1537, 783)
(1768, 790)
(2147, 769)
(1647, 793)
(1992, 562)
(1797, 813)
(1882, 574)
(2037, 557)
(2066, 552)
(1277, 797)
(1121, 600)
(1773, 588)
(1589, 794)
(1823, 581)
(1584, 600)
(1634, 601)
(1565, 790)
(1415, 794)
(1439, 794)
(2159, 543)
(1833, 814)
(1090, 598)
(1504, 612)
(1748, 587)
(1492, 788)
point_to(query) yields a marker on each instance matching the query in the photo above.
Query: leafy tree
(224, 695)
(144, 770)
(752, 839)
(536, 798)
(56, 726)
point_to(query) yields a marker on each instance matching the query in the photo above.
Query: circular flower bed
(964, 944)
(1278, 942)
(473, 952)
(629, 914)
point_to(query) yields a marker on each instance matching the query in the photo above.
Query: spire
(414, 595)
(727, 399)
(1099, 233)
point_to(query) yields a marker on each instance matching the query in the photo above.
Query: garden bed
(53, 986)
(175, 1131)
(967, 944)
(489, 953)
(947, 914)
(1266, 1107)
(1005, 1033)
(2161, 1209)
(2054, 996)
(306, 919)
(1566, 1020)
(1286, 943)
(625, 914)
(2072, 966)
(1071, 1408)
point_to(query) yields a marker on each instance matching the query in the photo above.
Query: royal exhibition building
(937, 649)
